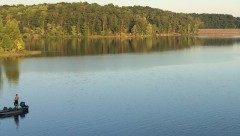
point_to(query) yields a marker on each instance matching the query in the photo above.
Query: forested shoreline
(218, 21)
(84, 19)
(67, 20)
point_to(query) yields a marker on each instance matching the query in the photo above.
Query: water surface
(169, 88)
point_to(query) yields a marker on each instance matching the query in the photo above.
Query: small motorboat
(8, 112)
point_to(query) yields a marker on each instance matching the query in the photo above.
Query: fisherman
(16, 101)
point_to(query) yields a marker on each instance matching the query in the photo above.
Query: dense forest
(83, 19)
(218, 21)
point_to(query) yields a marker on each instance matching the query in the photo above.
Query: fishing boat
(7, 112)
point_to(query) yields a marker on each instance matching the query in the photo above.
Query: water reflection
(96, 46)
(1, 78)
(208, 41)
(64, 47)
(148, 93)
(9, 69)
(16, 118)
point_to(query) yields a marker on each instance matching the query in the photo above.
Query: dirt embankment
(219, 32)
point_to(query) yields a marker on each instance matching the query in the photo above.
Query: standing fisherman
(16, 100)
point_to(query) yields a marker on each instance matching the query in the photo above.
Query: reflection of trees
(11, 69)
(220, 41)
(1, 78)
(93, 46)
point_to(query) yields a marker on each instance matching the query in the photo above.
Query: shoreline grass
(19, 54)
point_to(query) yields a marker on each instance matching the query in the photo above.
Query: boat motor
(22, 104)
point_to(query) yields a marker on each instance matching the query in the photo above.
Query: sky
(180, 6)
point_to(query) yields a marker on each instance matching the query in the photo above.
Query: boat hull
(13, 112)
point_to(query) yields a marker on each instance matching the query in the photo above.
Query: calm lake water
(169, 86)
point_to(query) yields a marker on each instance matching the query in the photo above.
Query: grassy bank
(19, 54)
(219, 32)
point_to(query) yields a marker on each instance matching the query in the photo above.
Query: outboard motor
(24, 107)
(22, 104)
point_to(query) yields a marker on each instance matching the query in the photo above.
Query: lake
(165, 86)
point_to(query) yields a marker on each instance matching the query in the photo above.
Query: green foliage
(98, 27)
(54, 31)
(12, 30)
(6, 43)
(74, 30)
(1, 31)
(12, 38)
(218, 20)
(64, 19)
(20, 44)
(149, 30)
(52, 20)
(85, 30)
(134, 30)
(39, 31)
(1, 27)
(238, 22)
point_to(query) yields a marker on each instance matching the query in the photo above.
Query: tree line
(84, 19)
(218, 21)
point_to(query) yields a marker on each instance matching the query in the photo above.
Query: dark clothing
(16, 102)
